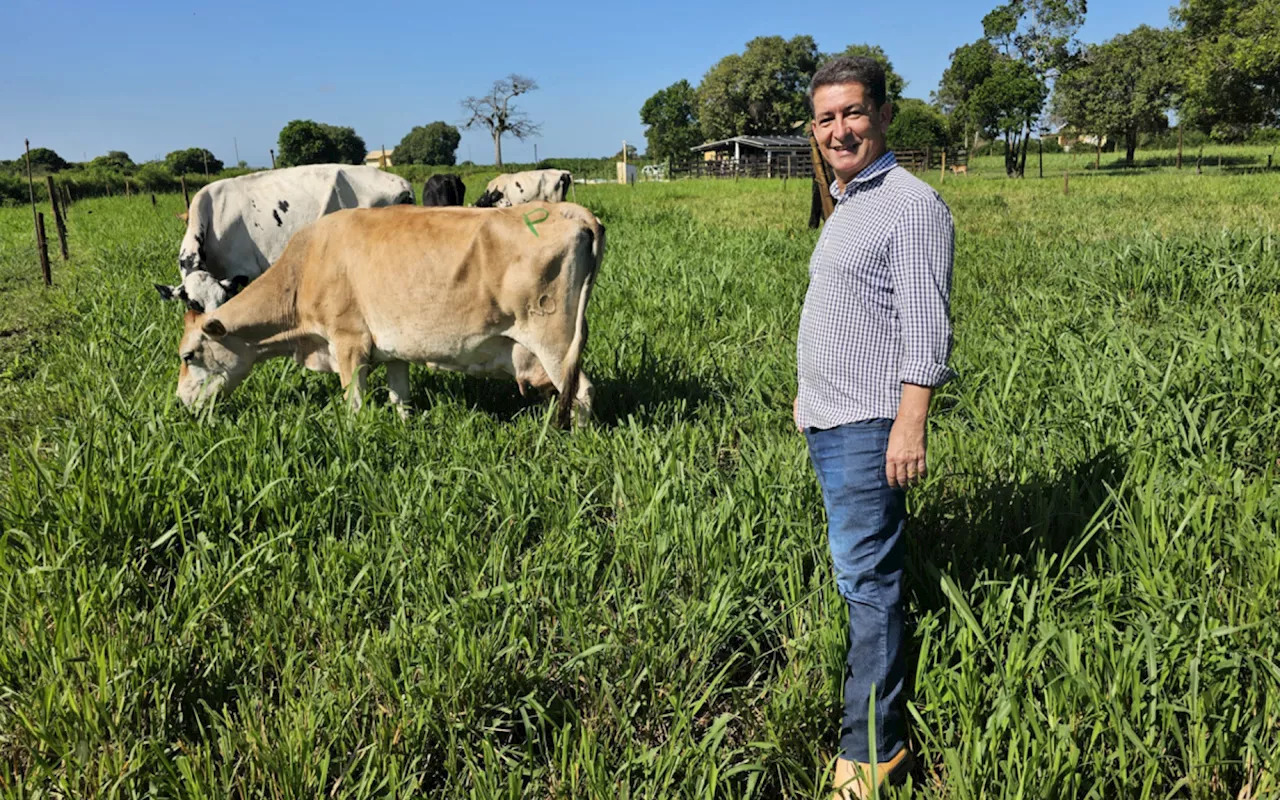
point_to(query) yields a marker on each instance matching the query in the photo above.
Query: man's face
(849, 128)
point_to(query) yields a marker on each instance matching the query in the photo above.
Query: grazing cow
(960, 169)
(443, 190)
(539, 185)
(480, 291)
(237, 227)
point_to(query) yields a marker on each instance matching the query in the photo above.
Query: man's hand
(904, 462)
(904, 459)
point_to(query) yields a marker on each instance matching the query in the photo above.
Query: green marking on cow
(532, 222)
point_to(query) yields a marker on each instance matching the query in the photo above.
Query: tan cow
(480, 291)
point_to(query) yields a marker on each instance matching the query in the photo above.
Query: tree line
(1216, 67)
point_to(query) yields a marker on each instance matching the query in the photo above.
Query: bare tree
(495, 112)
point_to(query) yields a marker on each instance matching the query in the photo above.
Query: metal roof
(762, 142)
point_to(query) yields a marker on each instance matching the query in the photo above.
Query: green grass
(282, 600)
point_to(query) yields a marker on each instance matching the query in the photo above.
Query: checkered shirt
(876, 315)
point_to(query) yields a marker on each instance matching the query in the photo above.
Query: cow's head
(490, 199)
(214, 362)
(201, 292)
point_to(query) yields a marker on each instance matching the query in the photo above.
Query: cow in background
(443, 190)
(539, 185)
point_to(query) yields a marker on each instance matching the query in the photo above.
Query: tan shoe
(853, 778)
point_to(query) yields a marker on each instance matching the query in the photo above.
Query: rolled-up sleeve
(921, 251)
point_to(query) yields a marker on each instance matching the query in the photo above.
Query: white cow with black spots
(534, 186)
(238, 227)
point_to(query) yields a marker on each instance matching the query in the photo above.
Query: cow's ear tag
(531, 222)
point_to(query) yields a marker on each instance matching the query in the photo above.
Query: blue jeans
(864, 523)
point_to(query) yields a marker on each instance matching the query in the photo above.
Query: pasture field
(280, 599)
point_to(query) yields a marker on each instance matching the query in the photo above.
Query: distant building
(1068, 137)
(768, 148)
(378, 158)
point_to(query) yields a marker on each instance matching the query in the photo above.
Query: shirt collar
(873, 170)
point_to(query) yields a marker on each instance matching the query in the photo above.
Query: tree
(632, 153)
(192, 160)
(1122, 87)
(970, 66)
(305, 142)
(916, 125)
(436, 143)
(1006, 104)
(1040, 36)
(671, 115)
(495, 112)
(1231, 72)
(894, 83)
(764, 90)
(115, 159)
(349, 147)
(43, 160)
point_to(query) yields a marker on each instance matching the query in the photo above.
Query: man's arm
(920, 256)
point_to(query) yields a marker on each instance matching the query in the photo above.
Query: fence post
(943, 179)
(273, 159)
(1179, 145)
(186, 201)
(42, 246)
(36, 217)
(57, 217)
(153, 199)
(127, 191)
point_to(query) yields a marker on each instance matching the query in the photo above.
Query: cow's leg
(353, 369)
(583, 400)
(551, 361)
(398, 386)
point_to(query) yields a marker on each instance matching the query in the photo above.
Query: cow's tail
(572, 365)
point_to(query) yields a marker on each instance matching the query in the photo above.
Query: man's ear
(214, 329)
(168, 292)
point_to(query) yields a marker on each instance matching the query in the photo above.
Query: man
(874, 340)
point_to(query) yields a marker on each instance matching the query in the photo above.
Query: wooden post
(273, 159)
(128, 192)
(153, 199)
(943, 179)
(42, 246)
(1219, 160)
(36, 217)
(1268, 161)
(66, 191)
(1066, 182)
(186, 201)
(57, 217)
(1097, 157)
(1041, 141)
(1179, 145)
(204, 156)
(820, 177)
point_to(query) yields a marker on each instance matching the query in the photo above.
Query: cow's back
(460, 264)
(240, 226)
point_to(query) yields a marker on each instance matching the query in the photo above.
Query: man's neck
(842, 183)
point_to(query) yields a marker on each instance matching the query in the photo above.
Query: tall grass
(283, 599)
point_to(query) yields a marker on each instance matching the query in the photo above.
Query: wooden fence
(799, 165)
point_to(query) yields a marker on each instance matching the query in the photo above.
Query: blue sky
(88, 76)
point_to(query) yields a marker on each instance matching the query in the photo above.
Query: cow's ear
(214, 329)
(168, 292)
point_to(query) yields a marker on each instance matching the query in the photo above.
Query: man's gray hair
(851, 69)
